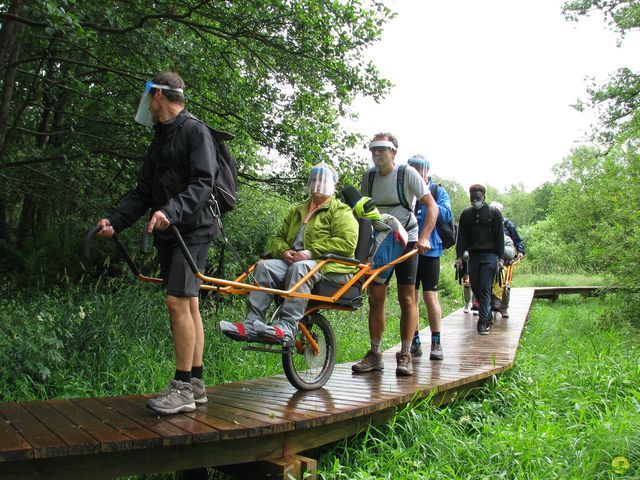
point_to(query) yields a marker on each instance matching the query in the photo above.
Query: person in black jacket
(480, 233)
(174, 184)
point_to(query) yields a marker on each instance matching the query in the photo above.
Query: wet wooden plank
(110, 439)
(140, 436)
(43, 441)
(13, 446)
(169, 433)
(277, 424)
(78, 441)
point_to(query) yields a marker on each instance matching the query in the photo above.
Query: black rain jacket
(480, 231)
(177, 177)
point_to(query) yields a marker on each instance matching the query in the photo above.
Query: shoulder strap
(372, 175)
(400, 187)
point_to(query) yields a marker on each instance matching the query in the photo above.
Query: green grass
(570, 405)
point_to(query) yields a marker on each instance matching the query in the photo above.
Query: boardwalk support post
(295, 467)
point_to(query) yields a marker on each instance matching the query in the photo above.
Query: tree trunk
(9, 54)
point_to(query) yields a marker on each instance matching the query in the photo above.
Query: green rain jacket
(331, 229)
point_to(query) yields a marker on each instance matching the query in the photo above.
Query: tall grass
(570, 405)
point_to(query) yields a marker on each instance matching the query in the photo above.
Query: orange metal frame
(239, 286)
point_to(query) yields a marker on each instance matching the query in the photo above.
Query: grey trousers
(276, 273)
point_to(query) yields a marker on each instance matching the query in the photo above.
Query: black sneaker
(483, 327)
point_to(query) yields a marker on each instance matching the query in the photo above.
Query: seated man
(320, 225)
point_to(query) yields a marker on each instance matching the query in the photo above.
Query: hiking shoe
(436, 351)
(403, 362)
(178, 397)
(474, 308)
(371, 361)
(483, 327)
(505, 313)
(199, 391)
(241, 331)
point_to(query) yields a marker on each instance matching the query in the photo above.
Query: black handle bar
(185, 250)
(86, 249)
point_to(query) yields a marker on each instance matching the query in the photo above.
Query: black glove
(459, 270)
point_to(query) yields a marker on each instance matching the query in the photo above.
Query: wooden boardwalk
(245, 421)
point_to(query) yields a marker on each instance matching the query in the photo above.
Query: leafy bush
(547, 250)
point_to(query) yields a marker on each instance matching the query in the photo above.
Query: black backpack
(448, 231)
(225, 187)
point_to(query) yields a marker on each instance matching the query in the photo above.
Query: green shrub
(547, 251)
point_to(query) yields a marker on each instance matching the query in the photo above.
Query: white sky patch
(484, 89)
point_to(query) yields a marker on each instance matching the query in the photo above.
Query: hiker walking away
(395, 189)
(428, 273)
(319, 226)
(174, 184)
(480, 233)
(510, 232)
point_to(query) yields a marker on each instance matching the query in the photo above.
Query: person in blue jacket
(429, 261)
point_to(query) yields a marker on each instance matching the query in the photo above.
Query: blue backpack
(389, 242)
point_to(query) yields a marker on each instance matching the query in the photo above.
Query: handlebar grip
(144, 247)
(86, 249)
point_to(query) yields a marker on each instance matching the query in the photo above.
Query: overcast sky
(484, 89)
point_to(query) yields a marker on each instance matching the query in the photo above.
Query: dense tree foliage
(279, 74)
(597, 200)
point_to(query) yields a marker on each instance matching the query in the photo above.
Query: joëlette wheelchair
(309, 360)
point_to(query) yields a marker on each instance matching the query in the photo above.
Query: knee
(261, 265)
(376, 301)
(177, 305)
(406, 300)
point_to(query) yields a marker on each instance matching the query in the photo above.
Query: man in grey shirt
(395, 190)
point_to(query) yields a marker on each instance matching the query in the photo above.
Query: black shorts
(428, 273)
(406, 271)
(175, 271)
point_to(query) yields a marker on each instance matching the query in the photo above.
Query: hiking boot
(371, 361)
(483, 327)
(241, 331)
(436, 351)
(403, 362)
(199, 391)
(178, 397)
